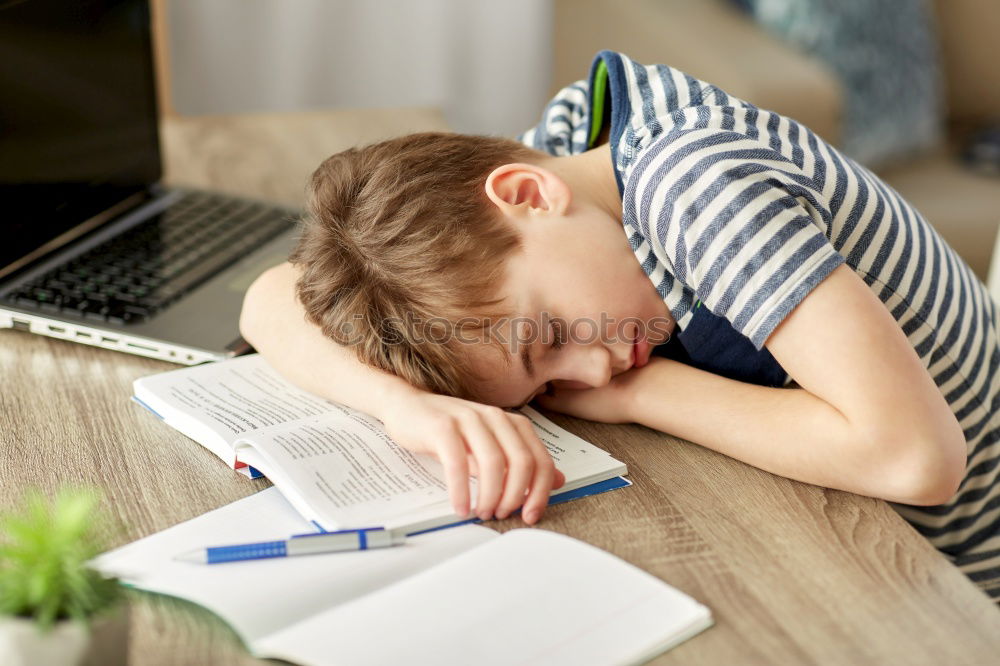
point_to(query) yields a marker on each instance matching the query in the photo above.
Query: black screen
(78, 130)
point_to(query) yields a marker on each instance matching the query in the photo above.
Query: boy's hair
(401, 248)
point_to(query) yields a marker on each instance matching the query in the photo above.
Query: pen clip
(354, 531)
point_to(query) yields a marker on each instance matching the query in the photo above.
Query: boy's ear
(522, 188)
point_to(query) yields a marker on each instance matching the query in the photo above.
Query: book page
(530, 596)
(346, 472)
(258, 597)
(224, 400)
(573, 456)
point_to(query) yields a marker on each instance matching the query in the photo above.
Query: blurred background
(909, 88)
(485, 65)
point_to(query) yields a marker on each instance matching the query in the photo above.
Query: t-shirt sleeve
(562, 129)
(736, 221)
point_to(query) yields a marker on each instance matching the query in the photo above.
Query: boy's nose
(593, 366)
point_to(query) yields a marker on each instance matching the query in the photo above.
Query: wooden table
(794, 574)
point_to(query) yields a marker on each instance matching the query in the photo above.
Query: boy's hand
(500, 448)
(611, 403)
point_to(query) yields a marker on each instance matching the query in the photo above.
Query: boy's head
(476, 267)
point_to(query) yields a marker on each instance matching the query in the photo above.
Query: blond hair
(400, 241)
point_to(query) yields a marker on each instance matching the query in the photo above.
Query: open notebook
(336, 465)
(464, 595)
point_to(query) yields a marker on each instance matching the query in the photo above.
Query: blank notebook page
(528, 597)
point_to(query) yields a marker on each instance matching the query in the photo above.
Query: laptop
(94, 248)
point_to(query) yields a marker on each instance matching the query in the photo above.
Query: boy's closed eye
(557, 333)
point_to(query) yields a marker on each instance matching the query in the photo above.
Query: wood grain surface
(793, 573)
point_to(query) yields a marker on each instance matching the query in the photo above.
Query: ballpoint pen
(301, 544)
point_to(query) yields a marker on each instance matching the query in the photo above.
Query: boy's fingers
(451, 452)
(521, 463)
(545, 472)
(489, 458)
(558, 479)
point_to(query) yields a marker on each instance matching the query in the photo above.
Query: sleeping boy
(654, 251)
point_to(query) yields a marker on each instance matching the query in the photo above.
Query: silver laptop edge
(171, 335)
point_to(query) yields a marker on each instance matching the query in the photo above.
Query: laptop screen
(78, 121)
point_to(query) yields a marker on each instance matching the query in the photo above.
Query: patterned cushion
(886, 56)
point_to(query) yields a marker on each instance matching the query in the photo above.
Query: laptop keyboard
(136, 274)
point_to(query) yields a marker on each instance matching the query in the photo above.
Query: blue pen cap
(357, 530)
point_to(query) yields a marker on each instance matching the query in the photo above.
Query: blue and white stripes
(747, 210)
(729, 221)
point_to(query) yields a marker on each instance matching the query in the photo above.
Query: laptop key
(137, 310)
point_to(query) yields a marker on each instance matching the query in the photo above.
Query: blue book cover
(585, 491)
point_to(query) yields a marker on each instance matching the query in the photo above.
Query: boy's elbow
(933, 473)
(933, 489)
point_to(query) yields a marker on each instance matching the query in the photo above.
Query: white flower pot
(68, 643)
(22, 643)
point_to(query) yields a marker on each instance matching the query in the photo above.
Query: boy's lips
(640, 352)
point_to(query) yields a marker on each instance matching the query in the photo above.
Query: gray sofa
(714, 41)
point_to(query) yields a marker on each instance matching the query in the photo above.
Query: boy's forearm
(786, 431)
(274, 322)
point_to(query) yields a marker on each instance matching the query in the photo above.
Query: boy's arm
(465, 436)
(868, 418)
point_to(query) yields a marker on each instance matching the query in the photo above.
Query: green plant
(44, 549)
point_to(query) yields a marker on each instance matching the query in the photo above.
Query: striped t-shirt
(735, 213)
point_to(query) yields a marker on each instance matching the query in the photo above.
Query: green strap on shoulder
(597, 111)
(597, 102)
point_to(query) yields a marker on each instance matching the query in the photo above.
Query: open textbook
(459, 596)
(336, 465)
